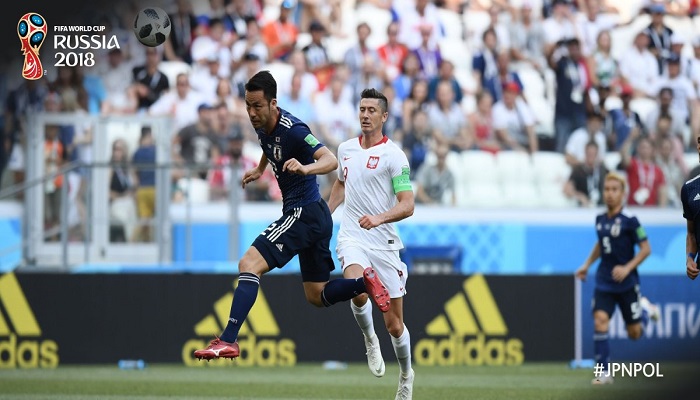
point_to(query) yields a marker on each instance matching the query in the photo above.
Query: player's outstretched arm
(583, 269)
(255, 173)
(691, 249)
(403, 209)
(337, 195)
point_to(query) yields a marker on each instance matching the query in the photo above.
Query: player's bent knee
(361, 299)
(601, 321)
(253, 262)
(634, 332)
(394, 327)
(313, 295)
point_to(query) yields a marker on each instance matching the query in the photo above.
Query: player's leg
(394, 273)
(603, 308)
(352, 259)
(635, 316)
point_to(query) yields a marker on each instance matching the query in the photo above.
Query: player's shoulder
(627, 215)
(692, 182)
(394, 149)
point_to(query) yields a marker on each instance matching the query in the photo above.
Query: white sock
(402, 348)
(363, 316)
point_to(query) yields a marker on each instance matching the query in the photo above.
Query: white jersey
(372, 178)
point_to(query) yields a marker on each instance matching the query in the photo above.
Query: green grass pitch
(311, 381)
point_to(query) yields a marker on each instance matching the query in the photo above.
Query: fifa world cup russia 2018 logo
(32, 32)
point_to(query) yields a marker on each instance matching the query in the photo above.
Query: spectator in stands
(646, 179)
(237, 13)
(504, 77)
(53, 160)
(685, 100)
(300, 106)
(412, 17)
(117, 76)
(122, 209)
(410, 72)
(224, 95)
(585, 183)
(336, 114)
(144, 161)
(222, 125)
(392, 126)
(369, 78)
(251, 65)
(447, 118)
(251, 43)
(601, 64)
(484, 65)
(149, 82)
(673, 171)
(693, 66)
(316, 55)
(263, 189)
(445, 73)
(592, 22)
(429, 57)
(659, 35)
(281, 35)
(205, 79)
(417, 100)
(677, 44)
(576, 146)
(393, 53)
(180, 104)
(435, 182)
(665, 101)
(572, 84)
(663, 131)
(639, 67)
(527, 38)
(355, 56)
(215, 44)
(309, 83)
(560, 26)
(418, 141)
(481, 124)
(82, 149)
(624, 120)
(514, 122)
(184, 25)
(196, 143)
(501, 28)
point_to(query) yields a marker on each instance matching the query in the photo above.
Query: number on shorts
(636, 310)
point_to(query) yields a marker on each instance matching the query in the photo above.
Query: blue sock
(645, 318)
(601, 346)
(342, 290)
(243, 300)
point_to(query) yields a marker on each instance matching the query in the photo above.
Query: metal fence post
(234, 201)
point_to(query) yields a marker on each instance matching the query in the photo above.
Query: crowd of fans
(434, 107)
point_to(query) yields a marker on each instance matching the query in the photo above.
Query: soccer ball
(152, 26)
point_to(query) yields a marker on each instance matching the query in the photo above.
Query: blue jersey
(617, 237)
(291, 138)
(690, 196)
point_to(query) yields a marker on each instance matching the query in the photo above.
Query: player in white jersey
(373, 181)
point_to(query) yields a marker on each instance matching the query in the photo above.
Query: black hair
(146, 131)
(216, 21)
(264, 81)
(376, 94)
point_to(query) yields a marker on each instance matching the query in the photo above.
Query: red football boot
(376, 289)
(217, 349)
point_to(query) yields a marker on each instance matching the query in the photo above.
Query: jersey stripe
(277, 232)
(286, 122)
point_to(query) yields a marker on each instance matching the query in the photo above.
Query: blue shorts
(628, 301)
(305, 231)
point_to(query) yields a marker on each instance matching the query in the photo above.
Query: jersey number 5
(607, 248)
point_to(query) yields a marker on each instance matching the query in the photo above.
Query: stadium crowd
(492, 76)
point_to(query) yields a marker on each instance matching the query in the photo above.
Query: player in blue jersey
(617, 280)
(690, 197)
(306, 226)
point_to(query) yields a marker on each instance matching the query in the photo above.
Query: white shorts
(392, 271)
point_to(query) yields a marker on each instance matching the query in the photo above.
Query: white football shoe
(375, 361)
(405, 391)
(651, 308)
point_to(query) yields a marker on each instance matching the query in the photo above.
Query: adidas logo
(255, 351)
(279, 246)
(470, 331)
(20, 332)
(697, 197)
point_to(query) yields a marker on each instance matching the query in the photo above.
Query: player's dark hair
(376, 94)
(264, 81)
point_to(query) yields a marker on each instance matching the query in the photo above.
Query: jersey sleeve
(638, 230)
(684, 201)
(305, 141)
(400, 172)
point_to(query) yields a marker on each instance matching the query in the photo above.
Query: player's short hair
(614, 176)
(373, 93)
(264, 81)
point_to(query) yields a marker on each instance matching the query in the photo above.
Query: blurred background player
(617, 279)
(374, 181)
(305, 227)
(690, 194)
